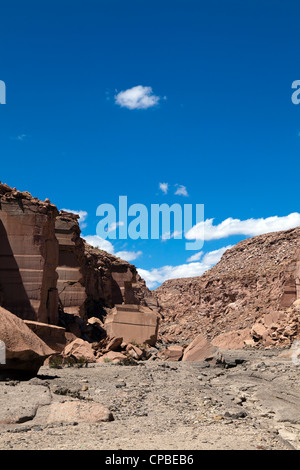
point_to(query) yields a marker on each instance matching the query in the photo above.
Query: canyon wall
(46, 268)
(28, 256)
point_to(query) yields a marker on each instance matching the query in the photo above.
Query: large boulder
(235, 339)
(134, 323)
(54, 336)
(171, 353)
(25, 351)
(200, 350)
(76, 411)
(80, 349)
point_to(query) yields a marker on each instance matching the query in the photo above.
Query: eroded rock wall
(47, 269)
(28, 256)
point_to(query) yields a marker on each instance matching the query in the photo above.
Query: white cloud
(100, 243)
(114, 226)
(177, 234)
(157, 276)
(250, 227)
(181, 190)
(213, 257)
(195, 257)
(137, 97)
(164, 187)
(21, 136)
(128, 255)
(107, 246)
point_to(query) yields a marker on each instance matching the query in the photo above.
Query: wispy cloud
(137, 97)
(164, 187)
(20, 137)
(128, 255)
(156, 276)
(181, 190)
(250, 227)
(195, 257)
(177, 234)
(114, 226)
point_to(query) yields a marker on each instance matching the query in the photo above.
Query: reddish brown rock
(71, 288)
(49, 275)
(134, 351)
(171, 353)
(91, 280)
(200, 350)
(134, 323)
(28, 256)
(236, 339)
(112, 356)
(258, 276)
(114, 344)
(54, 336)
(80, 349)
(25, 351)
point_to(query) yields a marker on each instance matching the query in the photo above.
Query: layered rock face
(89, 279)
(70, 284)
(47, 270)
(256, 278)
(28, 256)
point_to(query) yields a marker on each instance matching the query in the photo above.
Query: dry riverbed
(251, 403)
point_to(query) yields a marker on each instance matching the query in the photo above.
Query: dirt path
(159, 406)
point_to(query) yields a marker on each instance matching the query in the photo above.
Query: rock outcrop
(50, 276)
(28, 256)
(256, 278)
(43, 257)
(91, 280)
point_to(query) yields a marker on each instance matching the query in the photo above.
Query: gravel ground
(254, 404)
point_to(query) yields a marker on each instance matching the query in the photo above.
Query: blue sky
(214, 84)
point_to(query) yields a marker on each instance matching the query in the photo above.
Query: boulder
(25, 351)
(78, 412)
(54, 336)
(235, 339)
(112, 356)
(259, 331)
(80, 349)
(134, 323)
(114, 344)
(171, 353)
(134, 351)
(200, 350)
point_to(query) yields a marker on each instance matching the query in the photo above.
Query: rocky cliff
(250, 292)
(48, 271)
(28, 256)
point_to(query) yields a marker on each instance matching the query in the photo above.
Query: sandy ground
(159, 406)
